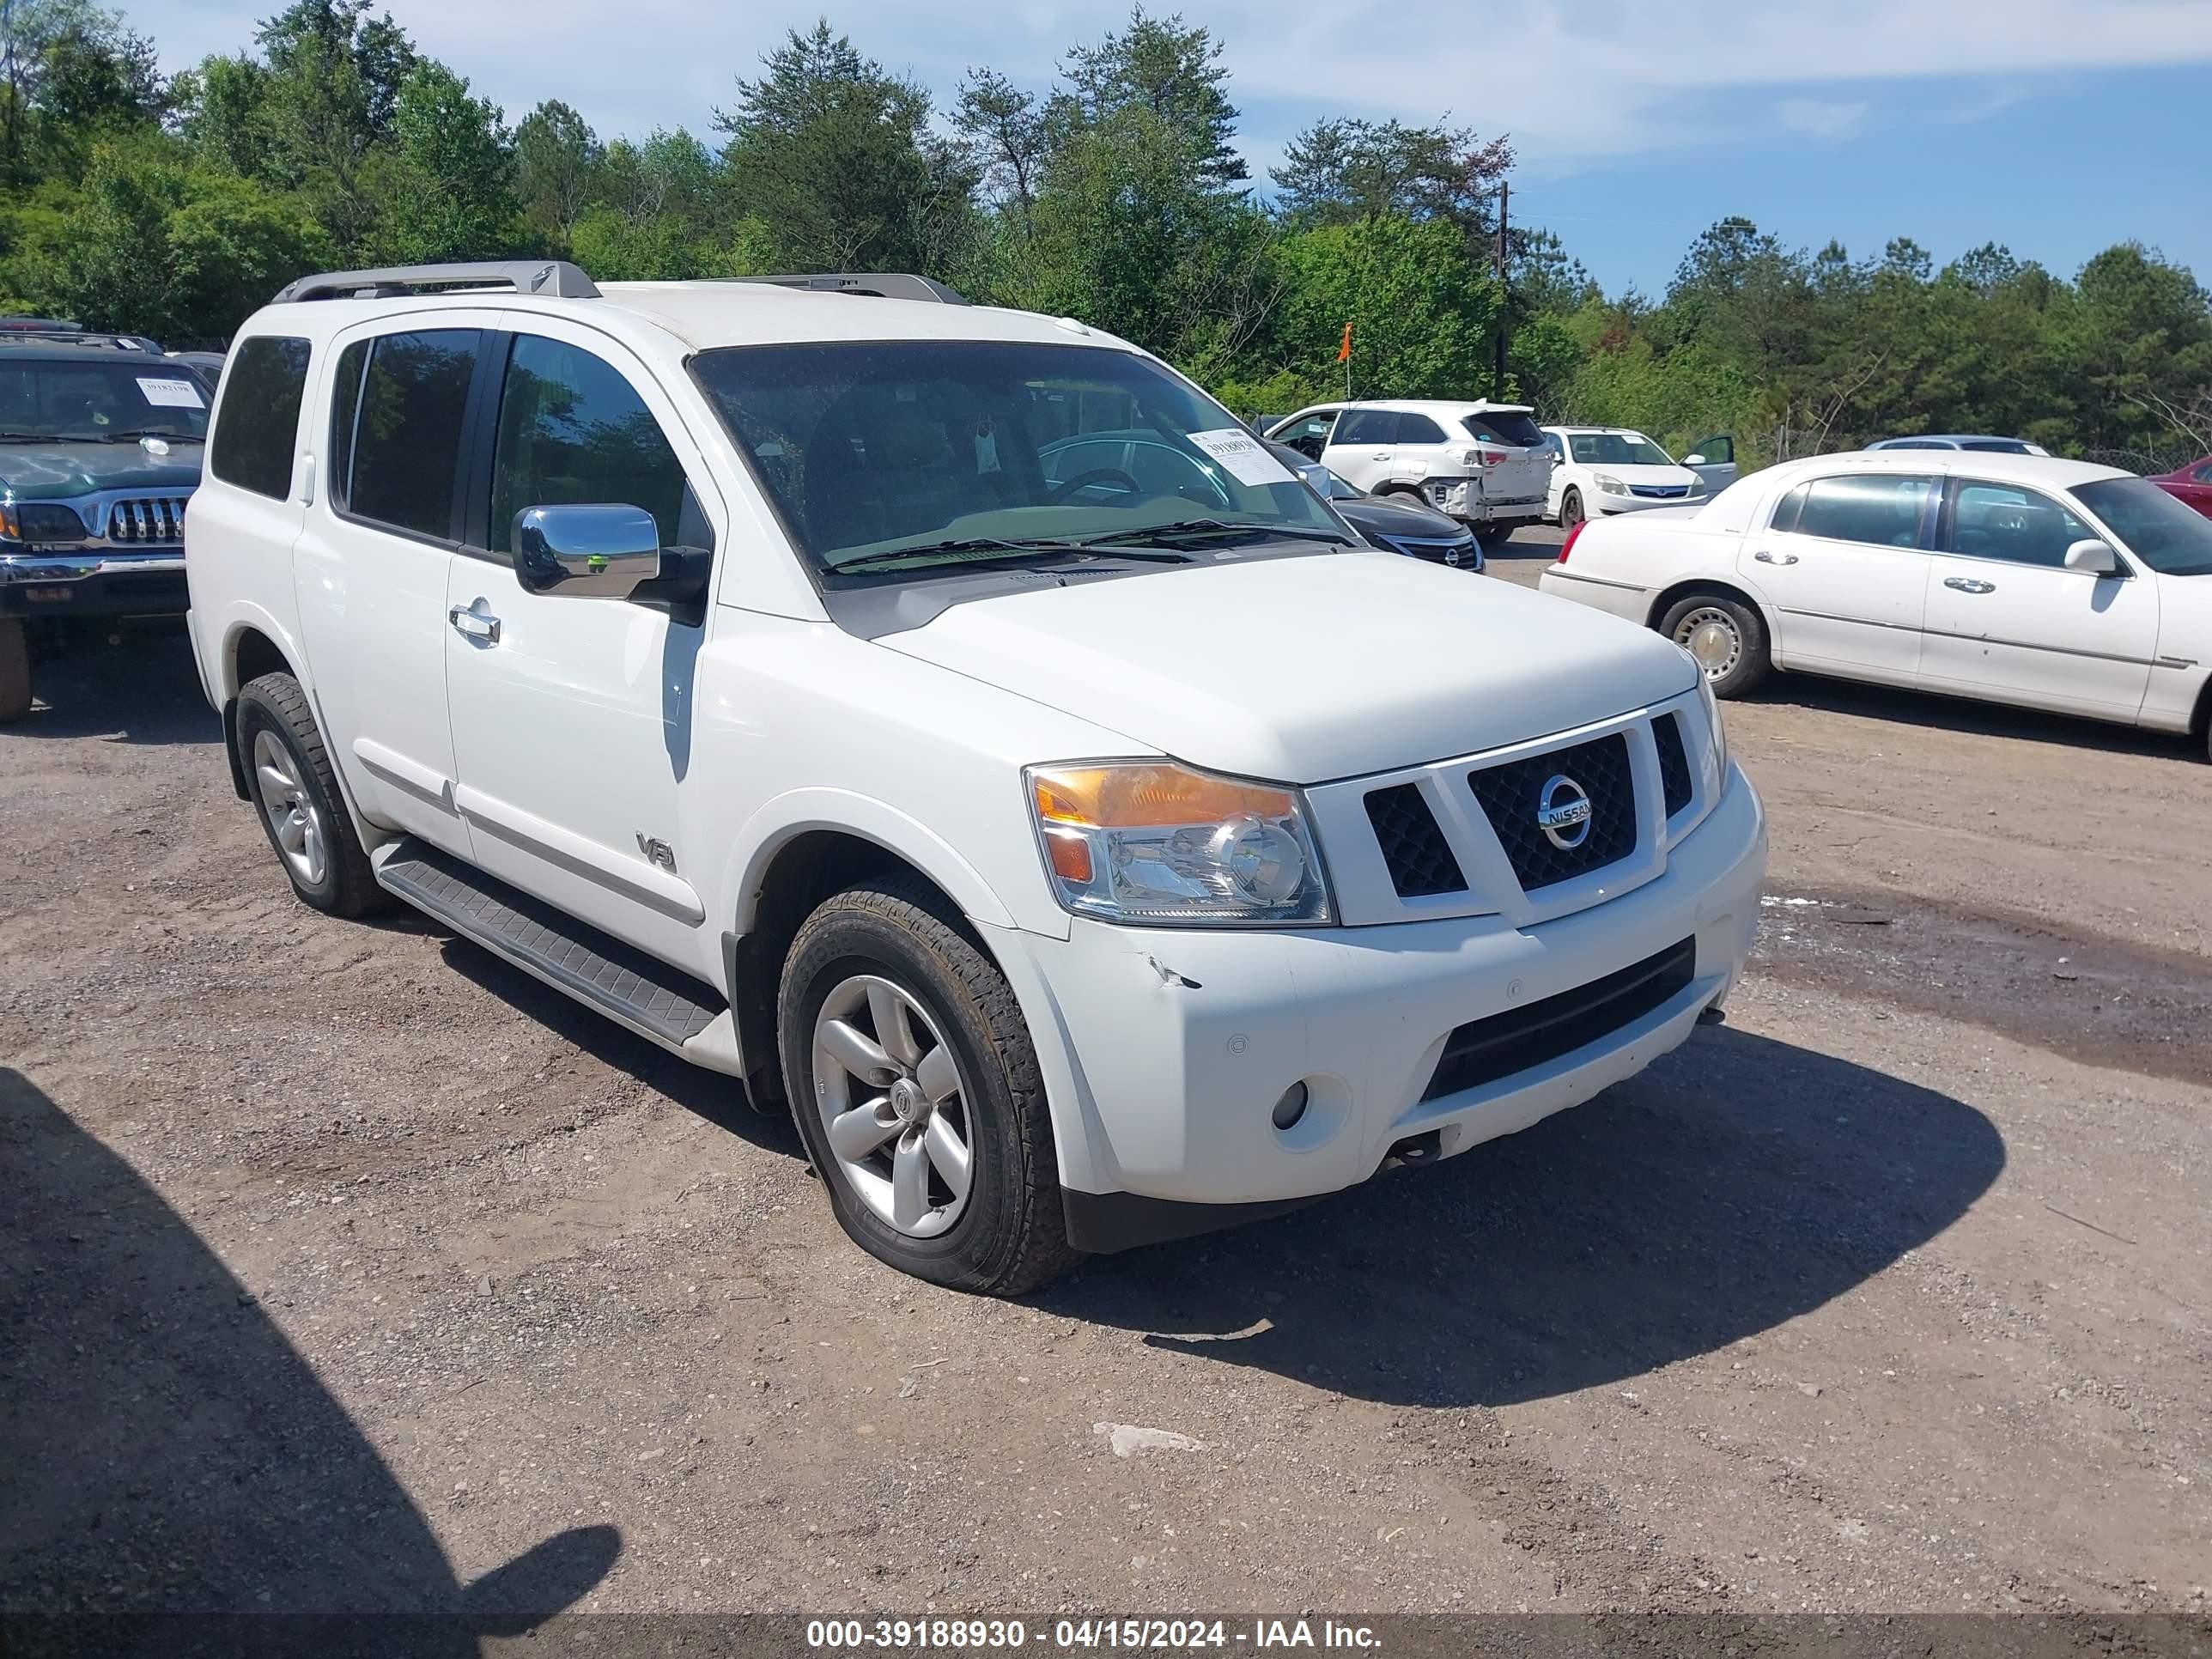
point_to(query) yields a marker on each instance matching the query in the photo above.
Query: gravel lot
(341, 1265)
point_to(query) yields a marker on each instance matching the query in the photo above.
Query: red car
(2193, 484)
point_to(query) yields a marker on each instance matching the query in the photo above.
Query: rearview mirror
(2093, 556)
(595, 551)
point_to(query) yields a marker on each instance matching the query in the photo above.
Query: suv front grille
(1420, 858)
(145, 520)
(1485, 1050)
(1509, 796)
(1673, 761)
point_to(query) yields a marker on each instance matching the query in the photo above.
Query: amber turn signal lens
(1144, 797)
(1070, 854)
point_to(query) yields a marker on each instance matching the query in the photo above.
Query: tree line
(174, 205)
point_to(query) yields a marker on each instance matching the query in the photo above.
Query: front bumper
(94, 582)
(1177, 1045)
(1463, 499)
(1608, 507)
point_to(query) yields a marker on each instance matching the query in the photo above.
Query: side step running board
(628, 985)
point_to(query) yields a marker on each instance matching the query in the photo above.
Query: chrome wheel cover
(894, 1104)
(1710, 635)
(302, 837)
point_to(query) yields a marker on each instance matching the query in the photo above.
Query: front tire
(917, 1092)
(15, 669)
(1727, 637)
(1570, 509)
(295, 794)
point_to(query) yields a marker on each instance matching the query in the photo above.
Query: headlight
(1720, 732)
(39, 521)
(1607, 482)
(1149, 841)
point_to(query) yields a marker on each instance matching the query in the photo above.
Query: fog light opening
(1291, 1107)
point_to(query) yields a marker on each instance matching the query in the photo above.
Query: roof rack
(555, 278)
(875, 284)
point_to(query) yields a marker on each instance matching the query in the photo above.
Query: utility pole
(1498, 364)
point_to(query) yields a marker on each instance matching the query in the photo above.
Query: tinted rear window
(1499, 426)
(1419, 430)
(259, 429)
(1997, 447)
(1367, 426)
(396, 420)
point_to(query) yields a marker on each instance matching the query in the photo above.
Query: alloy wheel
(894, 1105)
(293, 819)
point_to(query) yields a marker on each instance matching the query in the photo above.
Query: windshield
(872, 448)
(2166, 534)
(1617, 449)
(86, 401)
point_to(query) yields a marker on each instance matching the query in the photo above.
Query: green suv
(100, 438)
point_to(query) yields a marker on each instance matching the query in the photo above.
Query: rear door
(1362, 446)
(370, 567)
(2006, 619)
(572, 716)
(1844, 561)
(1713, 459)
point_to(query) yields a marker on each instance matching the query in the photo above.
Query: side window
(254, 443)
(1419, 430)
(1718, 450)
(1787, 509)
(1367, 426)
(1882, 509)
(2020, 527)
(2204, 474)
(396, 421)
(572, 429)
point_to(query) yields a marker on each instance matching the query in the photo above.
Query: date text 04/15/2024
(1168, 1635)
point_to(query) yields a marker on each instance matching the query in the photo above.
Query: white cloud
(1822, 118)
(1571, 82)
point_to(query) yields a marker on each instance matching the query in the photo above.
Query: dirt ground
(341, 1266)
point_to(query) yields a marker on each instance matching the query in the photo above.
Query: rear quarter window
(259, 429)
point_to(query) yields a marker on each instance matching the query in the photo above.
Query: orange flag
(1344, 351)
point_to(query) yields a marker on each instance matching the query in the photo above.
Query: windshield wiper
(149, 432)
(987, 550)
(30, 438)
(1186, 529)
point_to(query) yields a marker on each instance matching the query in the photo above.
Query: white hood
(1304, 670)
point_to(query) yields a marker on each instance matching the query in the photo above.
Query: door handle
(1765, 558)
(1968, 584)
(474, 624)
(1380, 455)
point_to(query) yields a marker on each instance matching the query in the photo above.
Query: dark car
(1396, 524)
(2192, 484)
(101, 439)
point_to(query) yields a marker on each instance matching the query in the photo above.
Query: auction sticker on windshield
(1248, 461)
(170, 394)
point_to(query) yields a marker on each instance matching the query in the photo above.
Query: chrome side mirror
(590, 552)
(2093, 556)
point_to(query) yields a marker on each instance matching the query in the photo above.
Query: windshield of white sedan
(2166, 533)
(92, 401)
(918, 456)
(1616, 449)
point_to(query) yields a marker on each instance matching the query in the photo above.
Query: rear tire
(1727, 636)
(295, 794)
(948, 1042)
(1570, 509)
(15, 669)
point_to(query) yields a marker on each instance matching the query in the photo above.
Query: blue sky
(2055, 126)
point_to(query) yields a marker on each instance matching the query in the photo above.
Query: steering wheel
(1097, 475)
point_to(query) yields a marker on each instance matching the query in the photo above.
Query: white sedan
(2011, 578)
(1601, 470)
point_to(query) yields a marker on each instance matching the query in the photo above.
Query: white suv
(1485, 464)
(1086, 856)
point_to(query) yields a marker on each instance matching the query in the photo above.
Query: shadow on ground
(1736, 1185)
(142, 689)
(164, 1450)
(1926, 709)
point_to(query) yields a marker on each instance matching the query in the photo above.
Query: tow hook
(1415, 1150)
(1713, 1015)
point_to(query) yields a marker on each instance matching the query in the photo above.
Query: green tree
(443, 188)
(1338, 170)
(556, 159)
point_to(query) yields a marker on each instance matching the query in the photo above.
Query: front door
(2006, 619)
(371, 566)
(1713, 459)
(1308, 434)
(572, 716)
(1844, 564)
